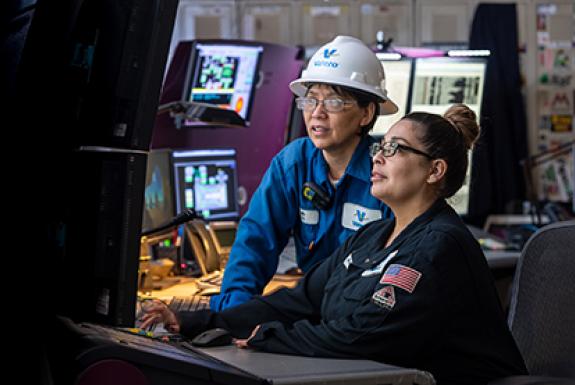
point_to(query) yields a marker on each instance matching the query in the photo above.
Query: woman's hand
(157, 311)
(244, 343)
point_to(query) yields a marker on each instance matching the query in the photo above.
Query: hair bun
(465, 122)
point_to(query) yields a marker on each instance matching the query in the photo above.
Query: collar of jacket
(365, 261)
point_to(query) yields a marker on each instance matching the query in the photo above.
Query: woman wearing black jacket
(413, 291)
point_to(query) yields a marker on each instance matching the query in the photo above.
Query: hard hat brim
(387, 106)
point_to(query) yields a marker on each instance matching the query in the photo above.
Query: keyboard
(189, 303)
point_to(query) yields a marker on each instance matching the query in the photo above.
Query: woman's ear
(437, 171)
(368, 116)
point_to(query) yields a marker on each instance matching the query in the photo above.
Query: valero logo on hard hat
(327, 54)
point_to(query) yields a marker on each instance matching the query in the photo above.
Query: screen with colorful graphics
(206, 181)
(224, 75)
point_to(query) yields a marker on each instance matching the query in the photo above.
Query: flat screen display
(206, 181)
(440, 82)
(223, 75)
(158, 194)
(398, 85)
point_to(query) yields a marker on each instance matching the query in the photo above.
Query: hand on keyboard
(157, 311)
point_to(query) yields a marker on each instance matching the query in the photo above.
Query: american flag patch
(401, 276)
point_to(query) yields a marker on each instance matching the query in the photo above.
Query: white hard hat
(346, 61)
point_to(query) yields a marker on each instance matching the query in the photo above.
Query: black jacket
(427, 301)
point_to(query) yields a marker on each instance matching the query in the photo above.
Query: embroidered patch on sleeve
(401, 276)
(384, 297)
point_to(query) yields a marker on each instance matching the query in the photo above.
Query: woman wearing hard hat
(316, 188)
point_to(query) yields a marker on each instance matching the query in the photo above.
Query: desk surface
(161, 363)
(187, 286)
(287, 369)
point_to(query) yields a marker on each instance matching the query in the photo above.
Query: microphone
(183, 217)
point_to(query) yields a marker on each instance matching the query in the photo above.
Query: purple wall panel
(257, 144)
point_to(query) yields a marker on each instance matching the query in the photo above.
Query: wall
(413, 23)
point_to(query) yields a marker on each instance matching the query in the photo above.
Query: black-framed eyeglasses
(390, 148)
(330, 105)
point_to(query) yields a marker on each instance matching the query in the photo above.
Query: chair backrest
(542, 310)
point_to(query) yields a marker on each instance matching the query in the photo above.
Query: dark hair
(449, 137)
(363, 100)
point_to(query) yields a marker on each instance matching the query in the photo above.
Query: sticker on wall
(546, 59)
(560, 80)
(556, 180)
(561, 123)
(561, 60)
(543, 105)
(560, 102)
(544, 123)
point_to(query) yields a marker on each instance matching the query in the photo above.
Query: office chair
(542, 310)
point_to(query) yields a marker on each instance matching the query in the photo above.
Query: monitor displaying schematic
(223, 74)
(398, 85)
(439, 83)
(206, 181)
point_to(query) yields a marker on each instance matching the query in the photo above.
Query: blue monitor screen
(158, 195)
(224, 75)
(206, 181)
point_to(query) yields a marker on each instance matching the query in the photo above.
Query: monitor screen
(158, 195)
(440, 82)
(206, 181)
(397, 84)
(223, 74)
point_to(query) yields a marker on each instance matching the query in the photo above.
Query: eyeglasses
(390, 148)
(330, 105)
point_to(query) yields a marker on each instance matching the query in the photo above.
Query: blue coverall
(278, 209)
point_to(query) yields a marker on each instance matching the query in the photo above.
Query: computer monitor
(206, 181)
(398, 85)
(440, 82)
(223, 74)
(93, 69)
(158, 193)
